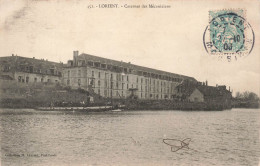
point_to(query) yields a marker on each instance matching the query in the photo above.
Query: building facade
(30, 70)
(196, 96)
(117, 79)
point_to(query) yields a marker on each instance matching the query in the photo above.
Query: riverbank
(129, 104)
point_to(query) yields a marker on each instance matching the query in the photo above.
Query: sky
(166, 39)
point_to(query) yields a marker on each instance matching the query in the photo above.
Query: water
(30, 137)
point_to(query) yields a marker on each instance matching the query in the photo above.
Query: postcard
(129, 82)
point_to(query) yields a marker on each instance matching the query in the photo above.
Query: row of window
(120, 77)
(142, 95)
(35, 79)
(31, 69)
(92, 83)
(120, 69)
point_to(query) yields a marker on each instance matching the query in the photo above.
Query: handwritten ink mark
(183, 144)
(136, 142)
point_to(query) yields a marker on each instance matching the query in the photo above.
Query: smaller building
(201, 92)
(29, 70)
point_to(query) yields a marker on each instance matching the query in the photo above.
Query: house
(201, 92)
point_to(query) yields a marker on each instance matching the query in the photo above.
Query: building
(201, 92)
(29, 70)
(196, 96)
(117, 79)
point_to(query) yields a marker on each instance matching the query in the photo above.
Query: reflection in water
(30, 137)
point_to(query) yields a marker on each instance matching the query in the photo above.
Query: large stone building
(29, 70)
(117, 79)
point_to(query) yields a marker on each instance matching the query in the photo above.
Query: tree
(247, 96)
(253, 97)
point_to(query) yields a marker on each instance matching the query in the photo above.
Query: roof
(187, 89)
(29, 61)
(32, 65)
(212, 90)
(88, 57)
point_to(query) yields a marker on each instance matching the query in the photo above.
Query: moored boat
(88, 109)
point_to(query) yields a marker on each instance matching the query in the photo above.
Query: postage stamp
(228, 36)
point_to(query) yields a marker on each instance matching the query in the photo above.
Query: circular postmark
(228, 37)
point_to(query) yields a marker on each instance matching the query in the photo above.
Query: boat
(87, 109)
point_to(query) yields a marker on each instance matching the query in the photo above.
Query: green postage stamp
(228, 36)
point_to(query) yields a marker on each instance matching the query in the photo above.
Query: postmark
(228, 36)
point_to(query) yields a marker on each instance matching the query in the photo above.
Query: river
(30, 137)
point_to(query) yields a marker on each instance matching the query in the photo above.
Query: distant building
(201, 92)
(117, 79)
(29, 70)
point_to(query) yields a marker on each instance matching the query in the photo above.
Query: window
(19, 78)
(111, 85)
(105, 93)
(68, 73)
(127, 79)
(79, 73)
(92, 73)
(91, 82)
(126, 86)
(97, 64)
(27, 79)
(103, 66)
(122, 85)
(35, 79)
(79, 82)
(98, 82)
(41, 79)
(98, 74)
(106, 83)
(90, 63)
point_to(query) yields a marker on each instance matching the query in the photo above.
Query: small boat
(116, 110)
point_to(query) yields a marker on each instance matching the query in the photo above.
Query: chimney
(229, 88)
(216, 85)
(75, 56)
(206, 83)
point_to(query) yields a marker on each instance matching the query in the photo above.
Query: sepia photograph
(129, 82)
